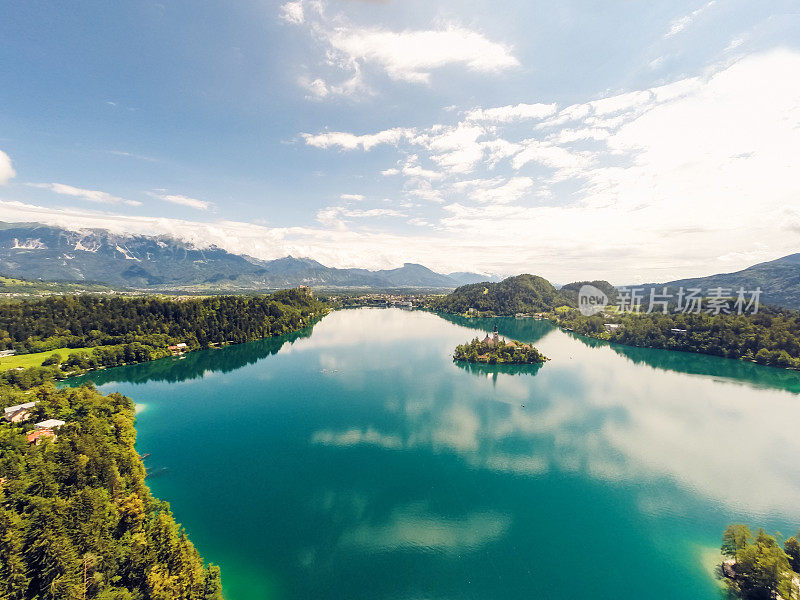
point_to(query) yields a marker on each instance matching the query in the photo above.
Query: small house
(49, 424)
(178, 348)
(36, 436)
(4, 353)
(611, 327)
(677, 331)
(19, 413)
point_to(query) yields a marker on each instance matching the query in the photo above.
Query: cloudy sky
(625, 140)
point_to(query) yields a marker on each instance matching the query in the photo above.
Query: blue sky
(628, 140)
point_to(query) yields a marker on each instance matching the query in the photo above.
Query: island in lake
(493, 350)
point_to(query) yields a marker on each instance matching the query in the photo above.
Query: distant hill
(33, 251)
(571, 290)
(466, 278)
(778, 279)
(22, 287)
(519, 294)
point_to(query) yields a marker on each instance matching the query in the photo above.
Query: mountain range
(33, 251)
(778, 279)
(41, 252)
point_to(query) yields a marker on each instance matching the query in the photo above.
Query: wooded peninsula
(757, 568)
(97, 331)
(77, 520)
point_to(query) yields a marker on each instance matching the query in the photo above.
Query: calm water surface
(357, 461)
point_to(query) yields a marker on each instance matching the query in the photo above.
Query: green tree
(53, 359)
(762, 570)
(213, 583)
(13, 579)
(735, 539)
(792, 549)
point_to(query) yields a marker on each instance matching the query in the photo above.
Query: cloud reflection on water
(589, 411)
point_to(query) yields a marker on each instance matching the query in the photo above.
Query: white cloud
(620, 102)
(566, 136)
(564, 161)
(184, 201)
(90, 195)
(292, 12)
(412, 55)
(348, 141)
(132, 155)
(505, 193)
(682, 23)
(457, 149)
(407, 56)
(316, 87)
(412, 170)
(373, 212)
(336, 216)
(6, 168)
(319, 89)
(708, 163)
(507, 114)
(425, 191)
(355, 197)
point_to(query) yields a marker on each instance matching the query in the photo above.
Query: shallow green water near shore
(357, 461)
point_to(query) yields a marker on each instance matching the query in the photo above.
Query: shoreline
(565, 329)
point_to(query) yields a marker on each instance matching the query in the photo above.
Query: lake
(355, 460)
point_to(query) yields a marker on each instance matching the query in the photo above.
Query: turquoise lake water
(355, 461)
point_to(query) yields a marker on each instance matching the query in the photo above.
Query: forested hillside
(571, 290)
(80, 321)
(770, 337)
(520, 294)
(76, 518)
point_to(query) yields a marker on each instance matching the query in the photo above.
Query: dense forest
(571, 290)
(757, 568)
(520, 294)
(511, 353)
(770, 337)
(131, 330)
(79, 321)
(76, 518)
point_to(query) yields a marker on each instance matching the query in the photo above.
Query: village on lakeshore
(21, 413)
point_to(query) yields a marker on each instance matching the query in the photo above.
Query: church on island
(494, 340)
